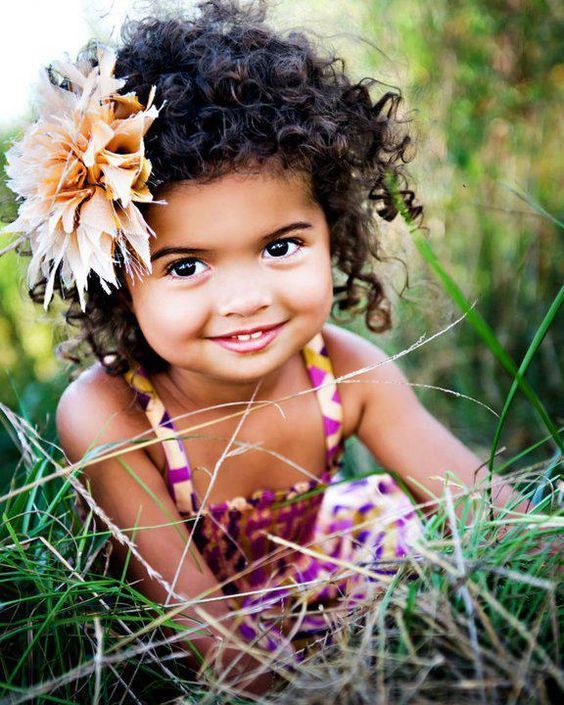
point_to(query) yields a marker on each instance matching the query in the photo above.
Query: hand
(245, 673)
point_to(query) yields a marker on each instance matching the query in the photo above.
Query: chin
(245, 373)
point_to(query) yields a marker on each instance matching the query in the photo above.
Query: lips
(262, 337)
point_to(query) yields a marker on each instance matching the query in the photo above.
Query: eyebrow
(164, 251)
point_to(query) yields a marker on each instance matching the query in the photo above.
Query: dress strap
(179, 473)
(323, 380)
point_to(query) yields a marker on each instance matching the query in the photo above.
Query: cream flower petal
(102, 261)
(150, 107)
(106, 61)
(107, 84)
(34, 268)
(19, 166)
(119, 182)
(134, 230)
(20, 225)
(120, 161)
(128, 134)
(63, 210)
(53, 270)
(52, 100)
(69, 70)
(32, 213)
(77, 266)
(78, 256)
(101, 135)
(98, 214)
(98, 256)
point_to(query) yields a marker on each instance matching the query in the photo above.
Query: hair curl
(236, 93)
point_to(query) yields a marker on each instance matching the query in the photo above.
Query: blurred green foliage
(31, 378)
(483, 82)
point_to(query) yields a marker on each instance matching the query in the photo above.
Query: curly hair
(235, 93)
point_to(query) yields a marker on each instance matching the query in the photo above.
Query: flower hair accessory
(79, 168)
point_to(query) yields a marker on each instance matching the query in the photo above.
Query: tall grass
(473, 619)
(473, 616)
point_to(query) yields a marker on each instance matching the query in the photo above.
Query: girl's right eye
(186, 268)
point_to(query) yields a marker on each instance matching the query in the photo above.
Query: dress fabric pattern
(338, 523)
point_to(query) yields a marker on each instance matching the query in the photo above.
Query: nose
(244, 297)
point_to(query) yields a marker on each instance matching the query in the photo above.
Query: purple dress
(280, 554)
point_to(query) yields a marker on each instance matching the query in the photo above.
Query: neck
(191, 391)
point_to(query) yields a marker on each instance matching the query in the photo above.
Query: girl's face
(245, 253)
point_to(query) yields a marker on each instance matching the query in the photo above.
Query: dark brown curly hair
(234, 93)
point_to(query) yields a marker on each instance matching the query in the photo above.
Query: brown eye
(283, 248)
(186, 268)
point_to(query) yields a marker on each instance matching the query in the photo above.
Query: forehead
(249, 202)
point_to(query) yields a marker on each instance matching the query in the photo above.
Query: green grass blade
(521, 372)
(501, 469)
(535, 205)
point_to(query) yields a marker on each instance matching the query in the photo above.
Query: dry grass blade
(98, 660)
(468, 602)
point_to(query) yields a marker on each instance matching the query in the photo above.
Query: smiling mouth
(248, 333)
(250, 340)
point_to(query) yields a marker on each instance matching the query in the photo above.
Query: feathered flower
(79, 168)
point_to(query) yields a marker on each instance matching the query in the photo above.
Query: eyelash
(293, 240)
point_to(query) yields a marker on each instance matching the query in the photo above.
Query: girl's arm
(401, 434)
(87, 415)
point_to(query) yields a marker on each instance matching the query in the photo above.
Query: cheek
(168, 318)
(311, 289)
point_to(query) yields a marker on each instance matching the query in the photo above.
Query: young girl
(259, 171)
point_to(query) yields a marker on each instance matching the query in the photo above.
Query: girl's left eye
(283, 248)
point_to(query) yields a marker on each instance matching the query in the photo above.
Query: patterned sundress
(327, 527)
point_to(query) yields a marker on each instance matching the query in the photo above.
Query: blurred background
(483, 83)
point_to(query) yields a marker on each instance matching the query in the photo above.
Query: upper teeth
(248, 336)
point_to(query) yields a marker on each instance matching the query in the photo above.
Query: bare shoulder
(349, 353)
(96, 408)
(343, 344)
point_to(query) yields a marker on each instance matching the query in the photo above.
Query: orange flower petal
(126, 105)
(78, 167)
